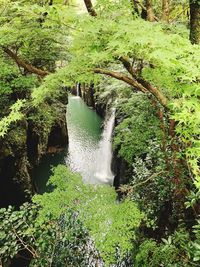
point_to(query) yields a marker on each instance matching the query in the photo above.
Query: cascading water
(90, 149)
(77, 89)
(104, 173)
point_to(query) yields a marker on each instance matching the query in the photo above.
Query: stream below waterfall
(89, 151)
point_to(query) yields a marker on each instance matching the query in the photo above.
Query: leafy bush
(60, 241)
(174, 251)
(70, 224)
(110, 224)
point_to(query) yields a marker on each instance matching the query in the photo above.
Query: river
(89, 150)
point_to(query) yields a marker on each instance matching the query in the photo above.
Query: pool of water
(85, 131)
(82, 154)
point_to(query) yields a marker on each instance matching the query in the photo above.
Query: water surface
(85, 131)
(89, 151)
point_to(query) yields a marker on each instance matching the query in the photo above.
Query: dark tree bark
(147, 12)
(194, 22)
(165, 10)
(90, 8)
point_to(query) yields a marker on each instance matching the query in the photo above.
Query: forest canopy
(142, 57)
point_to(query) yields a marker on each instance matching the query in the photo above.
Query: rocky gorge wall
(23, 148)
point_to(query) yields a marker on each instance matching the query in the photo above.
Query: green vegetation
(87, 211)
(142, 58)
(137, 140)
(62, 240)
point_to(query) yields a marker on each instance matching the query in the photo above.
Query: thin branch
(129, 189)
(128, 66)
(149, 178)
(34, 253)
(154, 90)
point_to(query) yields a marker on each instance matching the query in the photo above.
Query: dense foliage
(139, 58)
(49, 242)
(63, 223)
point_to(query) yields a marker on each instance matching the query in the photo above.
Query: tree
(135, 47)
(22, 64)
(149, 10)
(35, 48)
(195, 21)
(165, 10)
(139, 61)
(90, 8)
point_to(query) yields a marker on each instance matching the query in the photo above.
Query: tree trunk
(149, 9)
(165, 10)
(194, 22)
(90, 8)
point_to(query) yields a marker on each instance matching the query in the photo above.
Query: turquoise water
(85, 130)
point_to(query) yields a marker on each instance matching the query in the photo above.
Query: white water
(90, 148)
(89, 151)
(77, 89)
(104, 158)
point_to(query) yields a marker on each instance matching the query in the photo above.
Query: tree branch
(128, 66)
(154, 90)
(20, 62)
(90, 8)
(139, 84)
(33, 251)
(129, 188)
(121, 77)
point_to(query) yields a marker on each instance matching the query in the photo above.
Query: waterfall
(77, 89)
(104, 157)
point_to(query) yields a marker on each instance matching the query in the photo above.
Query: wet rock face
(101, 109)
(121, 170)
(58, 138)
(88, 95)
(120, 167)
(15, 181)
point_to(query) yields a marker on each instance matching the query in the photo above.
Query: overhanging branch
(140, 85)
(20, 62)
(154, 90)
(121, 77)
